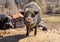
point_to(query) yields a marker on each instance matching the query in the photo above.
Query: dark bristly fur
(32, 17)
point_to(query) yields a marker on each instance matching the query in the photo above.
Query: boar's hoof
(44, 29)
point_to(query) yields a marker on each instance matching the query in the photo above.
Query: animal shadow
(14, 38)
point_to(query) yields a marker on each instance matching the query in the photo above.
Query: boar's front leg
(35, 31)
(27, 32)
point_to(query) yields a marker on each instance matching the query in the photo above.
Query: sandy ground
(18, 34)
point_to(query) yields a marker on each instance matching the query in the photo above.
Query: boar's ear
(22, 13)
(36, 12)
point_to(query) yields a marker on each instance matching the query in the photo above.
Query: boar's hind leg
(44, 28)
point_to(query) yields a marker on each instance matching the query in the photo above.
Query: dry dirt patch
(18, 34)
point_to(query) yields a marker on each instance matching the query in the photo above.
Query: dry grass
(51, 19)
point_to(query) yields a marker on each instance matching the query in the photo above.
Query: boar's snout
(28, 20)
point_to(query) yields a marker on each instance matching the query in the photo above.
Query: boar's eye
(26, 15)
(35, 13)
(32, 15)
